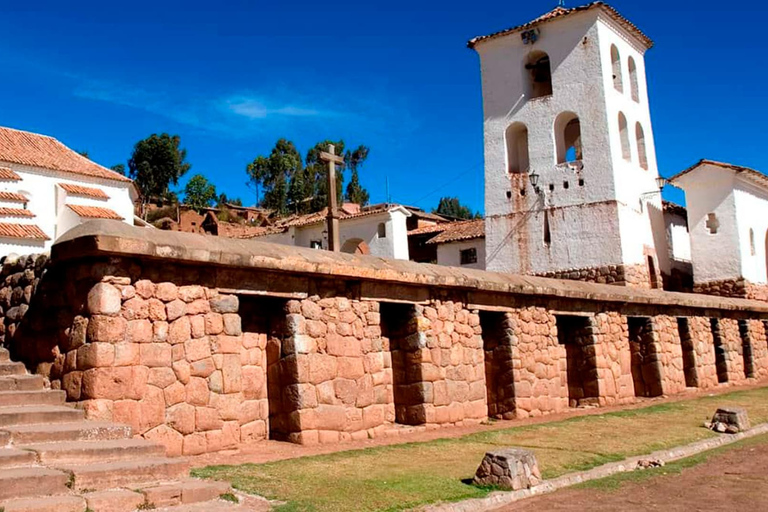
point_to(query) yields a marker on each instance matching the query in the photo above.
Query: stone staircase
(54, 460)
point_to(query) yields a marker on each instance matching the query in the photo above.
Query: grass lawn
(407, 475)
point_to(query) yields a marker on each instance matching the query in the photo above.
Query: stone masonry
(202, 343)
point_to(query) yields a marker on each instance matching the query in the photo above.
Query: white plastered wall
(752, 213)
(449, 254)
(716, 256)
(588, 233)
(47, 200)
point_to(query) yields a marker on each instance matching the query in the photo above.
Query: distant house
(47, 188)
(457, 244)
(379, 230)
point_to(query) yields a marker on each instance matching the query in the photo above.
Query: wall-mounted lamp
(660, 184)
(534, 179)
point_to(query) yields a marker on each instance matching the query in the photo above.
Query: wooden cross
(333, 215)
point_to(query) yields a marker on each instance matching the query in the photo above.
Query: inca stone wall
(204, 343)
(624, 275)
(734, 288)
(20, 278)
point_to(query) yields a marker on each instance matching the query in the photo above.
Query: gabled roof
(751, 174)
(78, 190)
(94, 212)
(457, 231)
(25, 231)
(35, 150)
(317, 217)
(561, 12)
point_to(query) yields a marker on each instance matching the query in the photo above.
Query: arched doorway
(355, 246)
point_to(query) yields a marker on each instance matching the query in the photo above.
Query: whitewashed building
(46, 189)
(728, 221)
(570, 165)
(378, 230)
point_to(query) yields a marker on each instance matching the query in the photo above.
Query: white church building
(47, 188)
(571, 182)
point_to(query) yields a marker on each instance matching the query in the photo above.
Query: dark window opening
(382, 230)
(539, 73)
(468, 256)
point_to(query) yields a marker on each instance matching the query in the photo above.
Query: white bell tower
(570, 165)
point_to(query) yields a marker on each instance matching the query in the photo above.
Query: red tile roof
(94, 212)
(559, 12)
(756, 176)
(15, 212)
(13, 197)
(8, 174)
(26, 231)
(78, 190)
(317, 217)
(425, 230)
(37, 150)
(457, 231)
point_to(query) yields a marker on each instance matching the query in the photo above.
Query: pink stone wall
(613, 358)
(171, 361)
(538, 363)
(757, 337)
(734, 355)
(704, 351)
(670, 354)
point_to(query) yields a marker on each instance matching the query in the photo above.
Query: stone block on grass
(510, 468)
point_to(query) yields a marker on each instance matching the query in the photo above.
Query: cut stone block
(730, 420)
(511, 468)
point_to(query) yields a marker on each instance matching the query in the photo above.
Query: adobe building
(570, 164)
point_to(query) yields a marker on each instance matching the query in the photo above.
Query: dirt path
(734, 480)
(268, 451)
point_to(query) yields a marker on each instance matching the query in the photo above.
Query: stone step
(114, 500)
(73, 431)
(108, 475)
(186, 491)
(29, 414)
(4, 355)
(46, 504)
(38, 397)
(13, 457)
(21, 383)
(34, 481)
(86, 452)
(11, 368)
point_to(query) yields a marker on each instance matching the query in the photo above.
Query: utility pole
(333, 215)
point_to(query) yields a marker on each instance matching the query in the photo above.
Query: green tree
(84, 153)
(354, 160)
(119, 168)
(451, 207)
(273, 174)
(316, 179)
(199, 193)
(224, 200)
(157, 163)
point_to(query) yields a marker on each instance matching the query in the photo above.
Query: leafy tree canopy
(451, 207)
(223, 200)
(199, 193)
(290, 184)
(119, 168)
(156, 163)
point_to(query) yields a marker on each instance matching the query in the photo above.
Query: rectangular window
(316, 244)
(469, 256)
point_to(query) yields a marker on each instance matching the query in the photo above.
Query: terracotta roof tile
(15, 212)
(756, 176)
(559, 12)
(457, 231)
(317, 217)
(8, 174)
(37, 150)
(13, 197)
(79, 190)
(94, 212)
(425, 230)
(26, 231)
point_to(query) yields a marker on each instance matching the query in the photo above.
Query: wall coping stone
(100, 238)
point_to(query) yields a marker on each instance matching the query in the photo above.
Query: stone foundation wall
(732, 343)
(171, 361)
(758, 339)
(622, 275)
(20, 278)
(703, 352)
(613, 358)
(670, 352)
(740, 288)
(538, 363)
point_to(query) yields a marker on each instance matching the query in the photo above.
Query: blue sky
(232, 77)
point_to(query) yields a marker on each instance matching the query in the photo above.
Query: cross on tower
(333, 215)
(712, 223)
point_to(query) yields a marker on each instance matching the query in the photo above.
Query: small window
(382, 230)
(752, 250)
(568, 138)
(547, 232)
(316, 244)
(626, 153)
(634, 87)
(517, 148)
(616, 66)
(712, 223)
(468, 256)
(539, 75)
